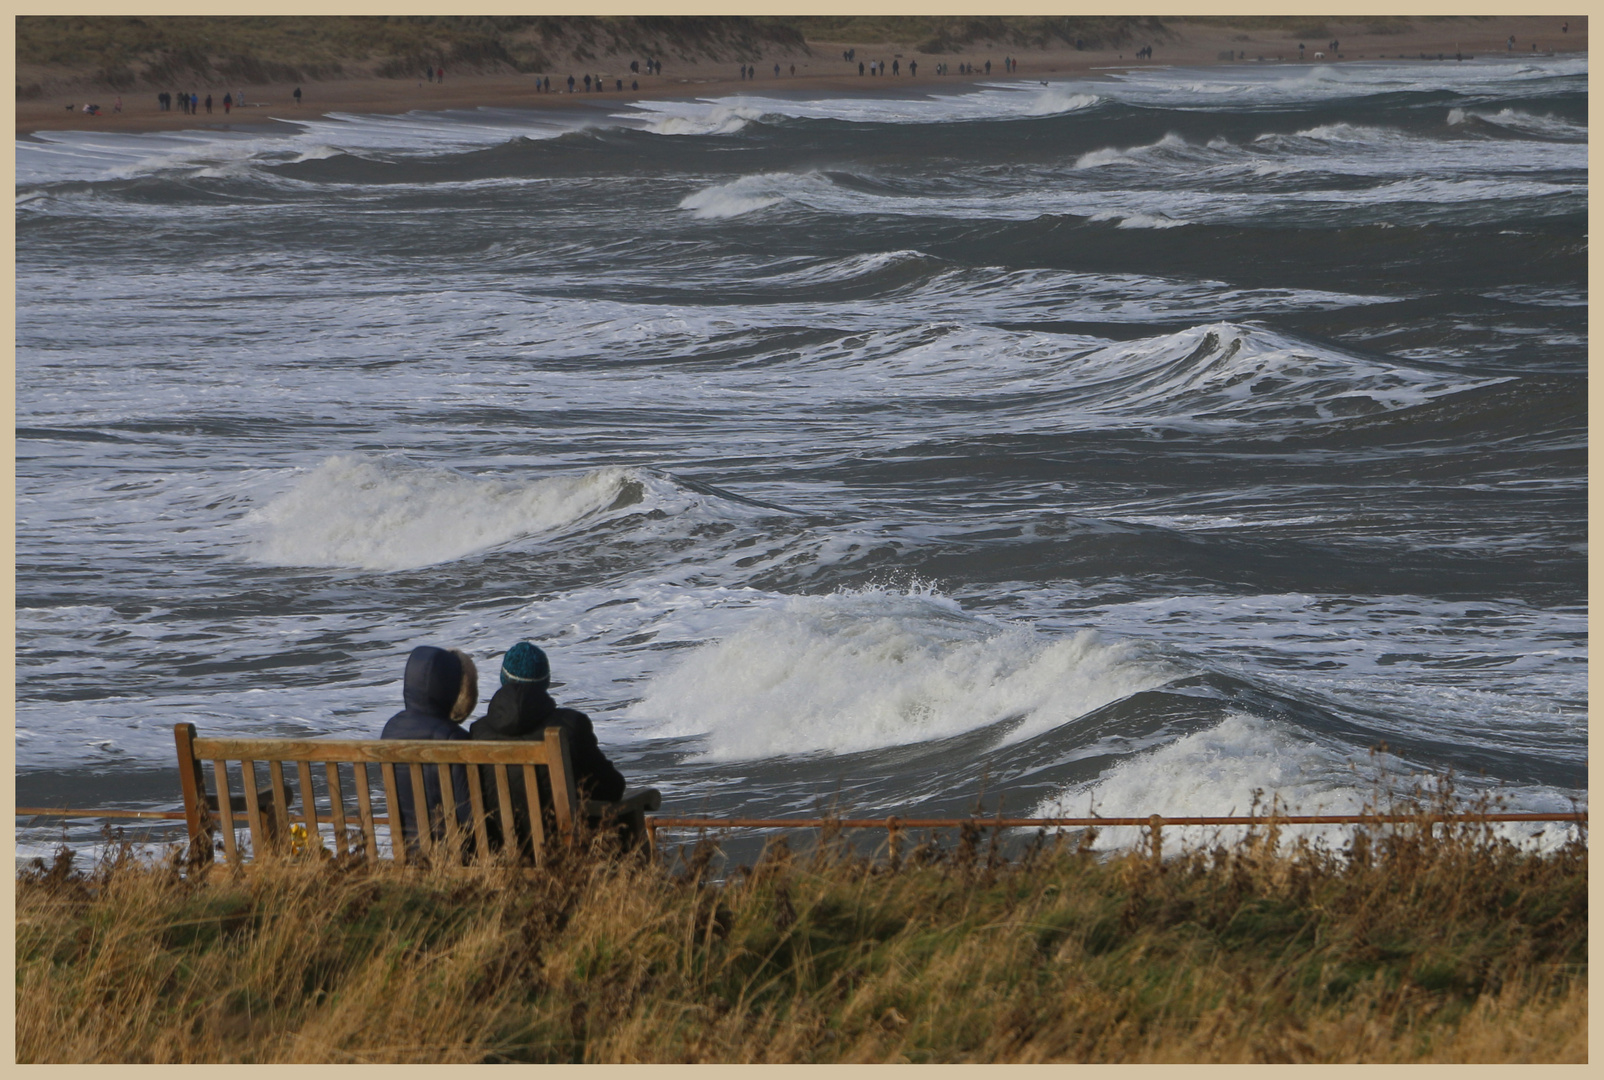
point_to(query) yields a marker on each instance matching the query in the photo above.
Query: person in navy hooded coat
(440, 689)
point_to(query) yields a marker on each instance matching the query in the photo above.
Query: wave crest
(863, 670)
(392, 514)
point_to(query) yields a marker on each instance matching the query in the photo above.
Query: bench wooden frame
(270, 818)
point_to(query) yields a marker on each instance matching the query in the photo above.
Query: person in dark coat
(523, 709)
(440, 689)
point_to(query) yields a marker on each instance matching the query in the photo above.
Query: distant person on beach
(587, 83)
(228, 103)
(570, 84)
(776, 71)
(439, 74)
(522, 710)
(208, 104)
(297, 96)
(439, 690)
(860, 67)
(117, 106)
(428, 73)
(194, 104)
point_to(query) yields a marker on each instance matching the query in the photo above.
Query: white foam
(705, 118)
(994, 101)
(758, 192)
(1213, 773)
(391, 514)
(1226, 372)
(860, 670)
(1546, 126)
(1246, 760)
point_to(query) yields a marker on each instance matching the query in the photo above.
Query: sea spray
(855, 671)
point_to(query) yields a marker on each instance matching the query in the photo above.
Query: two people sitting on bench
(440, 690)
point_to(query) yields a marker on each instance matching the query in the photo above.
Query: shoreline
(1192, 45)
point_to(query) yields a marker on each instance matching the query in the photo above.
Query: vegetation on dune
(1410, 944)
(937, 34)
(125, 51)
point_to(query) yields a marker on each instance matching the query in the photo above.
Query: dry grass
(1411, 944)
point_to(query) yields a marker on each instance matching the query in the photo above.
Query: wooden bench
(347, 769)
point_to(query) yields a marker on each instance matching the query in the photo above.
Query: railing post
(193, 783)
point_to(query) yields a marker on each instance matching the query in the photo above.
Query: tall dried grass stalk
(1411, 943)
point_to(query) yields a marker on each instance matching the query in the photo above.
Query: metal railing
(654, 823)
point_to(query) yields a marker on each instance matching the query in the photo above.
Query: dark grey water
(1137, 442)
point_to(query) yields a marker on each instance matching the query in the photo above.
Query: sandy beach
(823, 69)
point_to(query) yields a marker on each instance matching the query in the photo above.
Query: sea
(1164, 440)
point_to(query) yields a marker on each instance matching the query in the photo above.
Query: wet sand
(822, 71)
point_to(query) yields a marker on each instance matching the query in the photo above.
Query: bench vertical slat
(537, 825)
(336, 805)
(476, 806)
(225, 808)
(364, 807)
(420, 808)
(448, 809)
(281, 812)
(563, 798)
(309, 818)
(193, 783)
(253, 810)
(392, 802)
(509, 827)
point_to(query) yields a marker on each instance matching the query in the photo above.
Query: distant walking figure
(297, 96)
(117, 106)
(860, 67)
(228, 103)
(913, 68)
(777, 68)
(988, 67)
(570, 84)
(208, 104)
(440, 74)
(194, 104)
(896, 67)
(428, 73)
(587, 82)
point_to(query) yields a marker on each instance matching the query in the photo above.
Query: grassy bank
(1407, 946)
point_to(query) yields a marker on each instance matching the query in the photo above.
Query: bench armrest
(633, 802)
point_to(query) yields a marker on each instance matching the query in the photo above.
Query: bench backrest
(268, 810)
